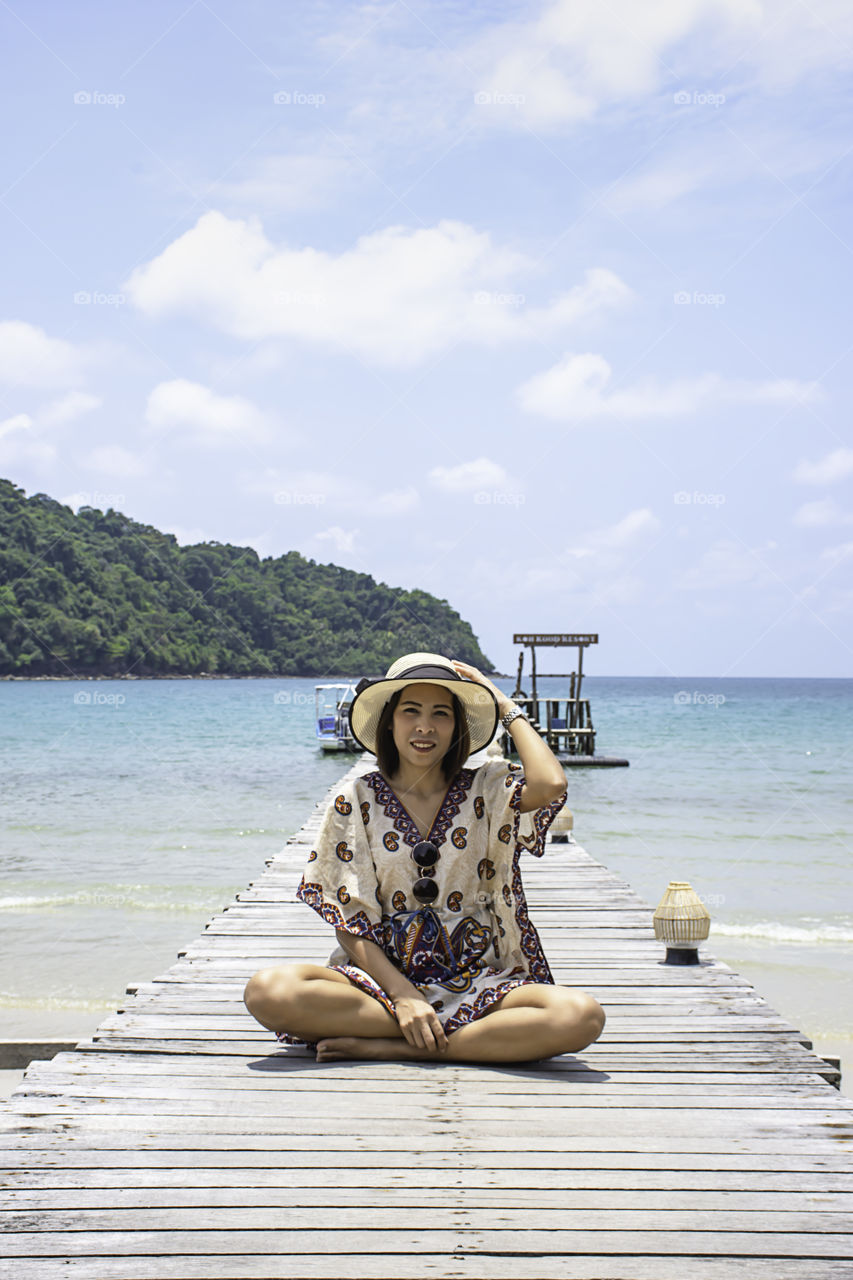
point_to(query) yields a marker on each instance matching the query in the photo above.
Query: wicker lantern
(682, 922)
(561, 826)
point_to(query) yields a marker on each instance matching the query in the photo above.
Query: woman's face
(423, 724)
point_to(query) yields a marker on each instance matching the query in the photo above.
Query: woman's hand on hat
(471, 673)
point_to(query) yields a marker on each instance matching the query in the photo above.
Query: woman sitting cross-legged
(416, 866)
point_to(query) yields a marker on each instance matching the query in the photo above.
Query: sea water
(135, 809)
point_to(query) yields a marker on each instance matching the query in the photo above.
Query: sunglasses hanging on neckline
(425, 856)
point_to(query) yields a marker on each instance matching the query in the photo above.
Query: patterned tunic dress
(476, 942)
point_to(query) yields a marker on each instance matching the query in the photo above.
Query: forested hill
(98, 594)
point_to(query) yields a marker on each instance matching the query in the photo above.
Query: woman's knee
(578, 1015)
(273, 994)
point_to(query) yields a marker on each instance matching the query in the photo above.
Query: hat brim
(478, 703)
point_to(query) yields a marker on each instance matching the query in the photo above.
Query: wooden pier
(699, 1138)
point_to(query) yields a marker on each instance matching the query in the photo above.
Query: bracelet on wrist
(512, 714)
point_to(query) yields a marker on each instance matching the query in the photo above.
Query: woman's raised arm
(544, 776)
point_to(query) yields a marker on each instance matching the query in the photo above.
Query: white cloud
(833, 466)
(67, 408)
(29, 358)
(815, 514)
(396, 502)
(480, 473)
(292, 486)
(342, 540)
(575, 388)
(116, 461)
(19, 446)
(22, 438)
(603, 561)
(188, 536)
(307, 490)
(625, 533)
(284, 184)
(658, 189)
(395, 298)
(207, 418)
(728, 564)
(20, 422)
(579, 57)
(840, 552)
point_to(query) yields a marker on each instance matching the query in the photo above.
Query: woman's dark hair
(457, 753)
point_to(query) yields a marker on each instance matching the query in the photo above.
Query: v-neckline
(414, 824)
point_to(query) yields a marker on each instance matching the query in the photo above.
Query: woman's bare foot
(375, 1049)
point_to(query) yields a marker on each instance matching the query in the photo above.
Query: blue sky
(542, 308)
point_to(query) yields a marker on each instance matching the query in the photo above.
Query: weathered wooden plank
(181, 1160)
(436, 1266)
(514, 1202)
(37, 1139)
(428, 1238)
(632, 1124)
(309, 1091)
(619, 1019)
(209, 1102)
(298, 1179)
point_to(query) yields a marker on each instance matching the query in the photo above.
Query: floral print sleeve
(340, 881)
(501, 784)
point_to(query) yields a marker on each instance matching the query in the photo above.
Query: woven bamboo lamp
(682, 922)
(562, 825)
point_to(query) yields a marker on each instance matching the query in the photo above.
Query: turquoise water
(132, 810)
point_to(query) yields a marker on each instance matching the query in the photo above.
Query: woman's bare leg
(311, 1002)
(531, 1022)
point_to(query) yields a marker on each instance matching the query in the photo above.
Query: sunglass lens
(425, 853)
(425, 890)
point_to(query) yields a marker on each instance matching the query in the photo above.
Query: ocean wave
(774, 931)
(118, 897)
(49, 1004)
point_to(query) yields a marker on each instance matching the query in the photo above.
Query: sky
(541, 308)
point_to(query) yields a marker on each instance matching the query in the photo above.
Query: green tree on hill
(98, 594)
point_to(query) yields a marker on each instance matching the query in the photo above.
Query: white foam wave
(774, 931)
(107, 898)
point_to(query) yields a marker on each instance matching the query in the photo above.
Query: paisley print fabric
(476, 942)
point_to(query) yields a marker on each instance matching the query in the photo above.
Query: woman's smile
(423, 722)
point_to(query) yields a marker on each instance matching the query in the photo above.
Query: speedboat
(331, 712)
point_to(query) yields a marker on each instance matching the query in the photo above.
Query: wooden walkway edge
(700, 1137)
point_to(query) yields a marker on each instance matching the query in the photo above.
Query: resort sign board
(557, 639)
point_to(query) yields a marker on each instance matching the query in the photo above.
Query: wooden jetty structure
(700, 1136)
(563, 720)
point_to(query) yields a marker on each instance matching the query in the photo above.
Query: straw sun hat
(479, 704)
